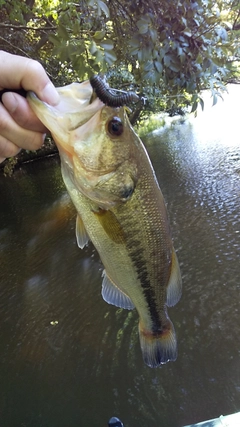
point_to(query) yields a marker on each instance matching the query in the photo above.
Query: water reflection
(68, 358)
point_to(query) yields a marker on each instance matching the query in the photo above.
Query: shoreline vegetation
(11, 164)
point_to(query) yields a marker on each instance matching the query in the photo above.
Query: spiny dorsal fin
(113, 295)
(81, 234)
(174, 287)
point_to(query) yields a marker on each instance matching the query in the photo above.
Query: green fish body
(121, 209)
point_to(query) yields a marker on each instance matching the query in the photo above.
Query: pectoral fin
(113, 295)
(174, 288)
(81, 234)
(111, 225)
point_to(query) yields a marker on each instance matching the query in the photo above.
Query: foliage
(167, 51)
(147, 125)
(9, 166)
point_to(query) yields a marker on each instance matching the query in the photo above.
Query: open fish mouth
(75, 108)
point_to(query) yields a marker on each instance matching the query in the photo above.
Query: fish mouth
(74, 109)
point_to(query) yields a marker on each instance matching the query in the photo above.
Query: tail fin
(158, 349)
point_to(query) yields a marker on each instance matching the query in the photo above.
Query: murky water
(68, 359)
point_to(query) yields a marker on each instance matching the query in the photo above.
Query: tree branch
(24, 53)
(23, 27)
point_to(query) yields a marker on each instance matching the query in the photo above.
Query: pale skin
(19, 127)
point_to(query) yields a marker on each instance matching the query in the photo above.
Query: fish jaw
(73, 109)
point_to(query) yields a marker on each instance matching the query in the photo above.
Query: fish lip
(82, 108)
(35, 101)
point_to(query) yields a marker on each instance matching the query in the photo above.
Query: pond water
(68, 359)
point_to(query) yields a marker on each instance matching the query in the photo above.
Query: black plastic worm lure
(112, 97)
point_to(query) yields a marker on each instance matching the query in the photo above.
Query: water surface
(68, 359)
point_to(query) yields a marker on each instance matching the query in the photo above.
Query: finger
(22, 138)
(20, 111)
(7, 149)
(29, 74)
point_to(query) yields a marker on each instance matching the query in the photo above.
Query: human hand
(19, 127)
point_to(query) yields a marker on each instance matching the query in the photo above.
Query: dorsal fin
(174, 287)
(113, 295)
(81, 234)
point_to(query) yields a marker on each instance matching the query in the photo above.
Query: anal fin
(81, 234)
(113, 295)
(174, 287)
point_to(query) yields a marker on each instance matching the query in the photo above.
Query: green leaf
(187, 32)
(229, 25)
(167, 59)
(104, 8)
(158, 66)
(63, 32)
(99, 56)
(93, 47)
(142, 26)
(174, 67)
(99, 35)
(54, 39)
(110, 57)
(194, 106)
(184, 21)
(135, 42)
(222, 33)
(140, 55)
(63, 53)
(215, 99)
(134, 51)
(148, 66)
(153, 34)
(75, 48)
(76, 28)
(201, 103)
(107, 44)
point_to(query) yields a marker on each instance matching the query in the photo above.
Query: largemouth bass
(121, 209)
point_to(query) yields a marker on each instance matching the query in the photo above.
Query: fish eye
(115, 126)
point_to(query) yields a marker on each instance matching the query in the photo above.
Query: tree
(168, 51)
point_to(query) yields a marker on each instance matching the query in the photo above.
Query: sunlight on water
(218, 123)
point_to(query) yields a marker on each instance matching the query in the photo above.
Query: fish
(120, 209)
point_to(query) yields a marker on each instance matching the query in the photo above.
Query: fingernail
(50, 95)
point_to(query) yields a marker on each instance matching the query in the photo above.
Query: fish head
(97, 144)
(105, 160)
